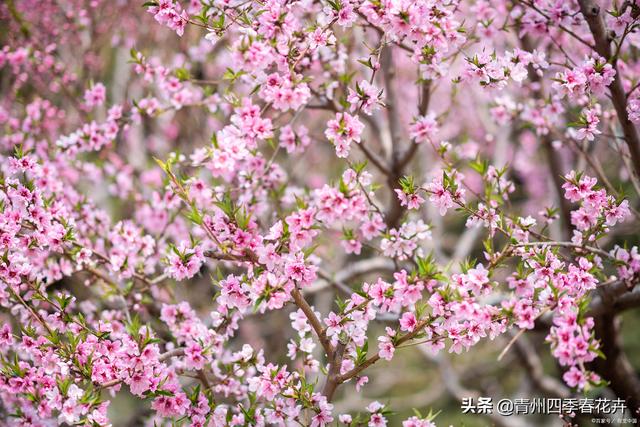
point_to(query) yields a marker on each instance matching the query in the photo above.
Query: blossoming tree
(234, 211)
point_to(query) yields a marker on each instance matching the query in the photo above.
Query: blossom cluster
(180, 193)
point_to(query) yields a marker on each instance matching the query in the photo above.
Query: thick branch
(623, 302)
(395, 209)
(425, 98)
(398, 160)
(333, 376)
(555, 168)
(313, 321)
(616, 368)
(592, 14)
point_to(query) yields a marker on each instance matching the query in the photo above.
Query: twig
(510, 344)
(567, 245)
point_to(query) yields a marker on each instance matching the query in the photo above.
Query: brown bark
(399, 159)
(555, 166)
(616, 368)
(593, 15)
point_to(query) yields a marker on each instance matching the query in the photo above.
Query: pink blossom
(411, 201)
(95, 95)
(342, 131)
(408, 322)
(424, 129)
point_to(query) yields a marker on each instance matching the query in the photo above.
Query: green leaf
(183, 74)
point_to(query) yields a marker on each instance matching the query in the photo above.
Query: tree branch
(534, 369)
(395, 209)
(313, 321)
(592, 14)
